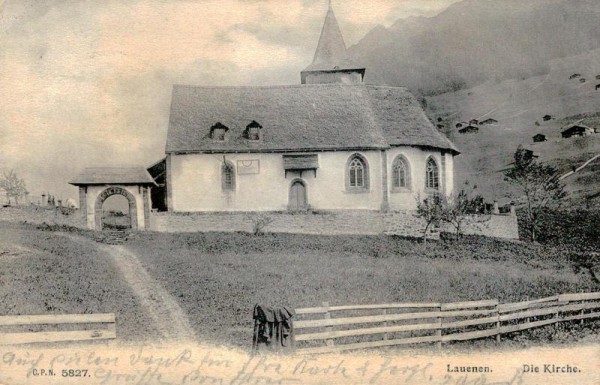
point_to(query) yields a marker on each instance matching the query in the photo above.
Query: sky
(88, 83)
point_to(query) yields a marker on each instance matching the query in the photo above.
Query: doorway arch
(108, 192)
(298, 198)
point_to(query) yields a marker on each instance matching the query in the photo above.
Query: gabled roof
(112, 175)
(489, 120)
(469, 128)
(575, 126)
(300, 118)
(331, 51)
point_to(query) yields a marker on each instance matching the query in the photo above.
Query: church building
(329, 143)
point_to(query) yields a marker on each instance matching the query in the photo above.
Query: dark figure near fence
(273, 328)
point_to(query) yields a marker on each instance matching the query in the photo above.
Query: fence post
(497, 323)
(557, 314)
(329, 341)
(582, 312)
(439, 331)
(292, 336)
(385, 324)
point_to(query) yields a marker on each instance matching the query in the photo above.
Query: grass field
(44, 272)
(217, 278)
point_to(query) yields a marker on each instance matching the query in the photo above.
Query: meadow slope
(517, 105)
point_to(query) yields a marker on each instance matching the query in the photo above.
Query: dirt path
(168, 317)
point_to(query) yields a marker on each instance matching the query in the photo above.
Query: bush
(259, 222)
(578, 229)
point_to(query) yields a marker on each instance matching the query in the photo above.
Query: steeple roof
(331, 51)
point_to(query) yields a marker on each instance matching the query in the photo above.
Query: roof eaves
(278, 150)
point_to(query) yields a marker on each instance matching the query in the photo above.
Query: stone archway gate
(99, 183)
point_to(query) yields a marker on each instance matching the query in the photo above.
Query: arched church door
(297, 200)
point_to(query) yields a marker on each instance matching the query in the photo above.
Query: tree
(430, 210)
(13, 186)
(456, 210)
(540, 185)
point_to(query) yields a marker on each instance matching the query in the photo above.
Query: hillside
(517, 105)
(476, 40)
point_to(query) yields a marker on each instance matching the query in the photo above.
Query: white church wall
(333, 77)
(449, 174)
(406, 198)
(329, 189)
(196, 183)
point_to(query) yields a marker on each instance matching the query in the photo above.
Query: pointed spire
(331, 55)
(331, 50)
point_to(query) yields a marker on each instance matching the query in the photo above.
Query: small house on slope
(468, 129)
(539, 138)
(488, 121)
(576, 130)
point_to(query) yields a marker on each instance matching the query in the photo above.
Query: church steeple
(331, 63)
(331, 49)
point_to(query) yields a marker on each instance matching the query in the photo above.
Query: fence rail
(396, 323)
(101, 327)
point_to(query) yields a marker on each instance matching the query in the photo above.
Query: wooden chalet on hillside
(488, 121)
(469, 129)
(576, 130)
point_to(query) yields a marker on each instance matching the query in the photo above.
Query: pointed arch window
(400, 173)
(357, 174)
(432, 179)
(227, 176)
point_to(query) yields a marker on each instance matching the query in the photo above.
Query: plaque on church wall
(247, 167)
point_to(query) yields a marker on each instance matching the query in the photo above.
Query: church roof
(299, 118)
(112, 175)
(331, 51)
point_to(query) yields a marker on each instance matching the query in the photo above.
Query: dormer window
(218, 131)
(253, 131)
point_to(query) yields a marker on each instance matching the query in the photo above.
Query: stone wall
(406, 224)
(495, 226)
(42, 214)
(403, 223)
(327, 223)
(365, 222)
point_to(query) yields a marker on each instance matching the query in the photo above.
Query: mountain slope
(519, 107)
(477, 40)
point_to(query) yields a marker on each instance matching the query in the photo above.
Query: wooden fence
(25, 329)
(369, 326)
